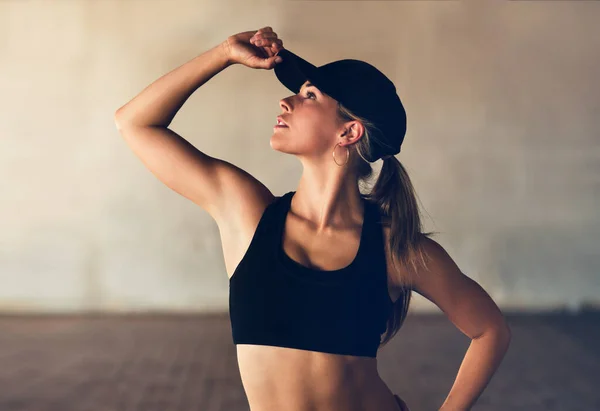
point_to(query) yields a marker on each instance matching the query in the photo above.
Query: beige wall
(503, 140)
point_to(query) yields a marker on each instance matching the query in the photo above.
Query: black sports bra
(276, 301)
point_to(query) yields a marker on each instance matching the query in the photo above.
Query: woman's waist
(294, 379)
(273, 362)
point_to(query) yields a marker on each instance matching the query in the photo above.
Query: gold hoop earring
(347, 155)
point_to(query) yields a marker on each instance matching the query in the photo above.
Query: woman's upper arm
(463, 300)
(223, 190)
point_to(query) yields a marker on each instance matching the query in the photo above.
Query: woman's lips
(280, 120)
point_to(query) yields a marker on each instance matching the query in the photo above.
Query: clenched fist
(254, 49)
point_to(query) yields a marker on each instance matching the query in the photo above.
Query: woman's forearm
(158, 103)
(479, 364)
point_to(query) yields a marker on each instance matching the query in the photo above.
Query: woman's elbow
(503, 333)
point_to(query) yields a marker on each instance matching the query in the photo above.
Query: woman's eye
(309, 93)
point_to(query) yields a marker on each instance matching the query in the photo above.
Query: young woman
(319, 274)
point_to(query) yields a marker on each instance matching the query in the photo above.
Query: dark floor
(189, 363)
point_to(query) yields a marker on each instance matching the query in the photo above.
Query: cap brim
(293, 72)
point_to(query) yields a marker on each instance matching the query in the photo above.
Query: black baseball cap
(360, 87)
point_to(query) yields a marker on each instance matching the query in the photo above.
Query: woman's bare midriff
(279, 378)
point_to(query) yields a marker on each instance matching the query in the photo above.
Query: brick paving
(173, 363)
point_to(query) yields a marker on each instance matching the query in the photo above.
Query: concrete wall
(502, 144)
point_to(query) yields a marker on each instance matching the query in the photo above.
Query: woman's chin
(278, 145)
(277, 141)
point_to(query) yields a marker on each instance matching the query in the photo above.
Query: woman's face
(313, 126)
